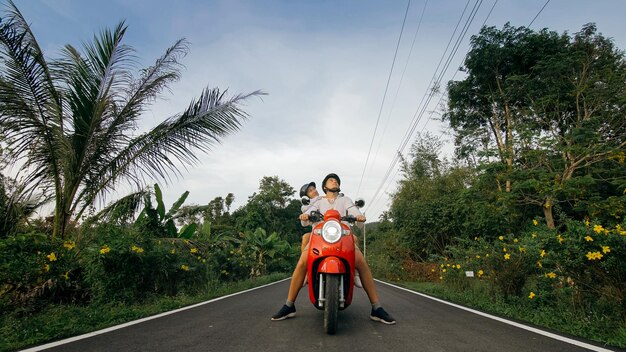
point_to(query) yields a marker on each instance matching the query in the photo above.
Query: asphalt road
(242, 323)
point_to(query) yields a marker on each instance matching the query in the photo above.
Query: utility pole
(364, 239)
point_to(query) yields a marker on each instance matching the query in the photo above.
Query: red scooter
(330, 266)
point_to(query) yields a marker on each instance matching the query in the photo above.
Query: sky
(326, 66)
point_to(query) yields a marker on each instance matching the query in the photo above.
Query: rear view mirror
(360, 202)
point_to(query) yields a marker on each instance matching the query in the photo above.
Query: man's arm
(353, 210)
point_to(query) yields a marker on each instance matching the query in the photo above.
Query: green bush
(581, 264)
(123, 265)
(35, 267)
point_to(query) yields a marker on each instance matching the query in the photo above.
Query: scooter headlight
(331, 232)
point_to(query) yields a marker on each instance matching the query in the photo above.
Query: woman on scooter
(309, 190)
(343, 205)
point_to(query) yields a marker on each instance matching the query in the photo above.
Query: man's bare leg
(366, 276)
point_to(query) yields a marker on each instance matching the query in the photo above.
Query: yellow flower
(458, 266)
(535, 222)
(173, 251)
(501, 238)
(441, 266)
(504, 249)
(587, 222)
(515, 240)
(618, 229)
(105, 249)
(560, 238)
(440, 278)
(46, 267)
(432, 270)
(480, 273)
(598, 228)
(589, 239)
(542, 253)
(444, 270)
(194, 250)
(594, 255)
(448, 265)
(606, 249)
(66, 276)
(487, 255)
(477, 256)
(137, 249)
(69, 245)
(551, 275)
(539, 264)
(522, 249)
(52, 257)
(476, 238)
(507, 256)
(533, 235)
(204, 260)
(531, 295)
(185, 267)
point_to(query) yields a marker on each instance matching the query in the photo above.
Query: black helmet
(326, 179)
(305, 187)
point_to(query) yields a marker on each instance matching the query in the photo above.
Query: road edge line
(506, 321)
(138, 321)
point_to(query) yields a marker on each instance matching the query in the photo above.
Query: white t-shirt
(344, 205)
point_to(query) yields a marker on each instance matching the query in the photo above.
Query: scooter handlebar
(316, 216)
(349, 218)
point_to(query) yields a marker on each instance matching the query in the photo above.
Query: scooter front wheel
(331, 306)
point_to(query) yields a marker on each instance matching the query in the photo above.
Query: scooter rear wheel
(331, 307)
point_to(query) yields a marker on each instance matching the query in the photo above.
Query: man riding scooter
(309, 190)
(343, 205)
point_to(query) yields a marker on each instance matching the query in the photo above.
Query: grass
(561, 317)
(19, 329)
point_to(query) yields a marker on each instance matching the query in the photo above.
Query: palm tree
(70, 121)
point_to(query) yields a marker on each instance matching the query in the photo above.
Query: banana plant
(165, 220)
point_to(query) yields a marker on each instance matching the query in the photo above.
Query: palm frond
(122, 210)
(156, 153)
(30, 112)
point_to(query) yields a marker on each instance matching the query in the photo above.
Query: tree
(69, 121)
(549, 105)
(426, 210)
(228, 201)
(484, 109)
(577, 109)
(271, 208)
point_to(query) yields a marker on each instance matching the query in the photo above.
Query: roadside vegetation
(69, 131)
(533, 202)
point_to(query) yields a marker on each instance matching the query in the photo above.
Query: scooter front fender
(332, 265)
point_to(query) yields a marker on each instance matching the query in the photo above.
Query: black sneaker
(382, 316)
(284, 313)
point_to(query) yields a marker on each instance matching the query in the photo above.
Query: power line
(436, 80)
(538, 13)
(406, 64)
(484, 22)
(385, 94)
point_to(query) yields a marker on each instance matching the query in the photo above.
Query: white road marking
(521, 326)
(121, 326)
